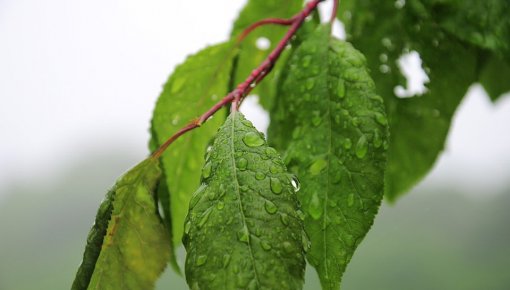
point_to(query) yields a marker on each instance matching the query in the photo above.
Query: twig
(256, 76)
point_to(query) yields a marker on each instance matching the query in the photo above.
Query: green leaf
(250, 55)
(419, 125)
(194, 87)
(495, 77)
(133, 250)
(335, 133)
(243, 230)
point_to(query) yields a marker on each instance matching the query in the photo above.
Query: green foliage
(193, 88)
(243, 230)
(250, 55)
(333, 127)
(333, 109)
(132, 251)
(419, 125)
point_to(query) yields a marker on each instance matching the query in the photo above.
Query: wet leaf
(334, 129)
(243, 230)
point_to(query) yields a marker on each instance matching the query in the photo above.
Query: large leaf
(128, 247)
(196, 85)
(334, 130)
(243, 230)
(250, 55)
(419, 125)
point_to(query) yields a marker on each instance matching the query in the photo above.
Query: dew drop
(294, 181)
(260, 176)
(362, 147)
(274, 169)
(305, 241)
(270, 207)
(206, 171)
(220, 205)
(204, 218)
(377, 139)
(315, 207)
(381, 119)
(347, 143)
(242, 163)
(265, 245)
(276, 185)
(187, 227)
(287, 247)
(201, 260)
(316, 120)
(226, 260)
(300, 215)
(285, 219)
(253, 139)
(350, 200)
(243, 235)
(263, 43)
(317, 166)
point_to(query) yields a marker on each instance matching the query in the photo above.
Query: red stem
(277, 21)
(256, 76)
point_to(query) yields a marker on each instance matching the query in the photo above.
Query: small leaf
(133, 250)
(250, 55)
(195, 86)
(332, 125)
(242, 230)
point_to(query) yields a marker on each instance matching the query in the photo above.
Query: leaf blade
(334, 127)
(242, 228)
(206, 75)
(132, 219)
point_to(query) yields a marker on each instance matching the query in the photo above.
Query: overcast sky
(75, 75)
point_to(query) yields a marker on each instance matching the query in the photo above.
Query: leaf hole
(410, 65)
(263, 43)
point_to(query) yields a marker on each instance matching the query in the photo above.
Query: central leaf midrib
(240, 203)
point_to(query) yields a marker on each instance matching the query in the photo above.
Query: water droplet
(340, 89)
(270, 207)
(220, 205)
(242, 163)
(317, 166)
(300, 215)
(260, 176)
(306, 61)
(201, 260)
(347, 143)
(287, 247)
(243, 235)
(384, 68)
(187, 227)
(355, 121)
(263, 43)
(270, 152)
(274, 169)
(381, 119)
(315, 207)
(386, 42)
(285, 219)
(377, 139)
(316, 120)
(295, 183)
(195, 198)
(204, 218)
(211, 195)
(399, 4)
(276, 185)
(362, 147)
(226, 260)
(350, 200)
(305, 241)
(265, 245)
(253, 139)
(383, 57)
(206, 171)
(310, 83)
(175, 120)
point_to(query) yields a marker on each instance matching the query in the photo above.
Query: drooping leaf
(195, 86)
(250, 55)
(128, 247)
(334, 130)
(243, 229)
(418, 125)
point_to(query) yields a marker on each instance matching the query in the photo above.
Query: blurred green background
(434, 238)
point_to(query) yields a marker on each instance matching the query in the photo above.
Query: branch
(256, 76)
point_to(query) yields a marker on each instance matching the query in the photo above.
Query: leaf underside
(243, 230)
(194, 87)
(134, 249)
(333, 128)
(452, 53)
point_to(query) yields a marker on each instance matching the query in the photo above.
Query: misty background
(78, 83)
